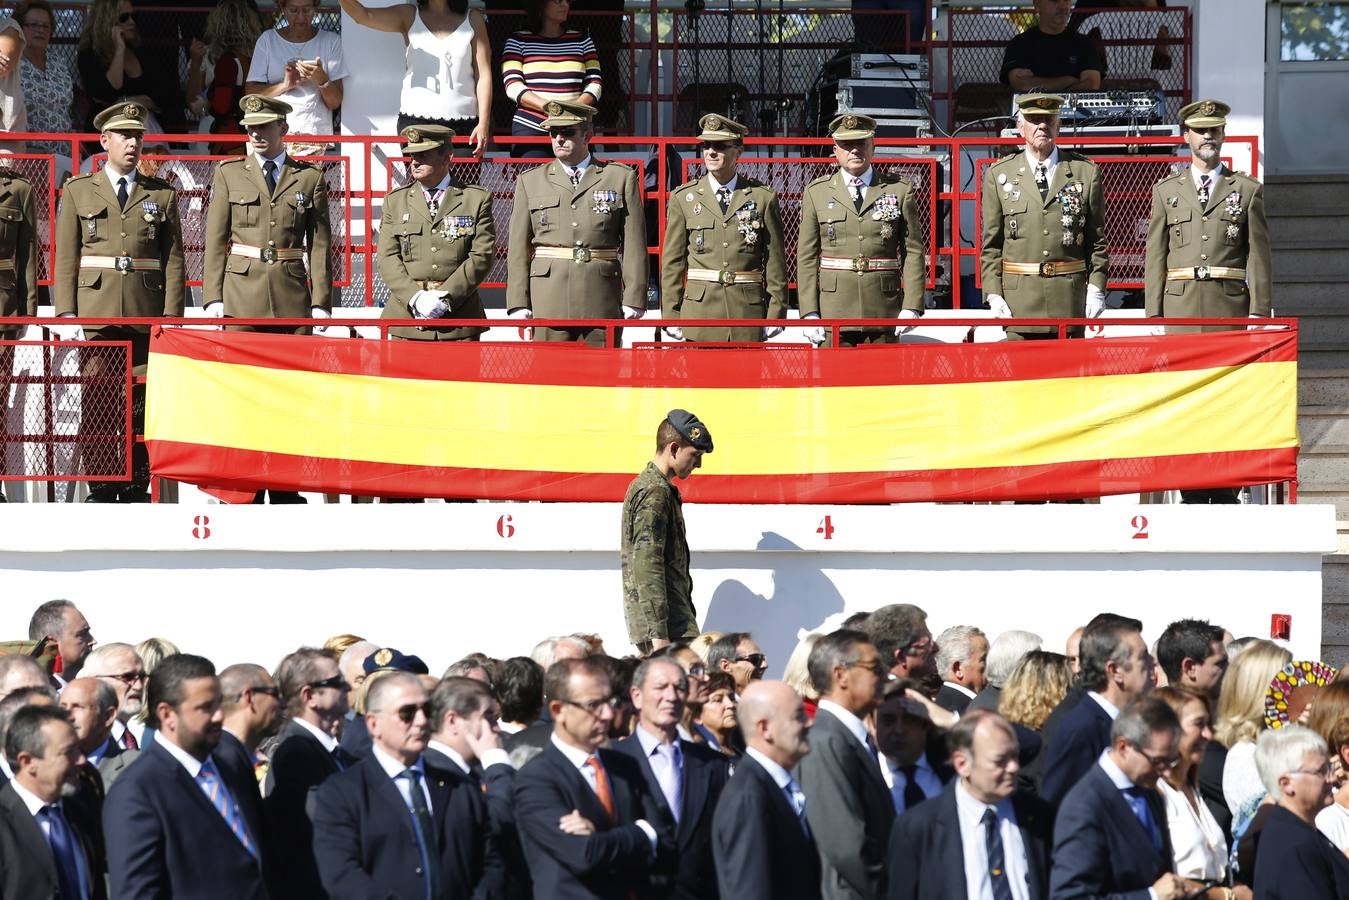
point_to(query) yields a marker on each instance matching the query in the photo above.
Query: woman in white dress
(302, 65)
(448, 75)
(1198, 847)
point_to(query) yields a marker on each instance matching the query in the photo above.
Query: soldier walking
(657, 587)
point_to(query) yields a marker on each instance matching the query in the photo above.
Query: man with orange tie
(577, 806)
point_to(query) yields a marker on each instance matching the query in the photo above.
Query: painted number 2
(1140, 526)
(826, 528)
(201, 527)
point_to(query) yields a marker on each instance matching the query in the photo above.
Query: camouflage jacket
(657, 589)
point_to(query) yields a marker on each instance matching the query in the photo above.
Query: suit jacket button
(573, 206)
(273, 224)
(1205, 218)
(419, 870)
(1044, 252)
(434, 249)
(434, 266)
(1205, 237)
(574, 225)
(271, 243)
(1203, 256)
(1046, 232)
(123, 234)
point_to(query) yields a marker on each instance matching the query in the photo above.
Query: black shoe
(103, 495)
(285, 497)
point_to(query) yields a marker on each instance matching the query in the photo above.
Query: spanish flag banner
(791, 424)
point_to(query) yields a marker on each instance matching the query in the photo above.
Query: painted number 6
(504, 527)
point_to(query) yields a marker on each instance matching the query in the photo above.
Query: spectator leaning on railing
(1050, 57)
(547, 61)
(48, 84)
(303, 66)
(448, 75)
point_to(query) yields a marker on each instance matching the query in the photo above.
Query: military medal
(404, 245)
(90, 226)
(1066, 221)
(604, 202)
(1078, 239)
(1173, 201)
(689, 197)
(1067, 239)
(748, 222)
(833, 236)
(697, 209)
(300, 199)
(886, 231)
(1234, 205)
(698, 241)
(150, 217)
(458, 226)
(1233, 232)
(405, 217)
(830, 205)
(1016, 195)
(1011, 226)
(1002, 178)
(543, 219)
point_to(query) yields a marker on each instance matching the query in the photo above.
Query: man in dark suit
(684, 780)
(92, 706)
(179, 799)
(850, 808)
(252, 707)
(49, 841)
(394, 826)
(466, 742)
(1111, 837)
(962, 661)
(913, 755)
(579, 808)
(981, 825)
(762, 841)
(306, 754)
(1116, 669)
(903, 640)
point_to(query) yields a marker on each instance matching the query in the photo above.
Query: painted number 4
(826, 528)
(1140, 526)
(201, 527)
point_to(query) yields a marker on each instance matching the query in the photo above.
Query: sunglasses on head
(407, 713)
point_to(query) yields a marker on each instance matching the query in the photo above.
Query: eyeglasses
(269, 691)
(875, 667)
(758, 659)
(697, 671)
(408, 712)
(1159, 762)
(126, 17)
(594, 706)
(337, 682)
(1323, 772)
(128, 678)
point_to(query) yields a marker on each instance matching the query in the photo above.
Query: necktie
(858, 189)
(121, 193)
(997, 869)
(602, 787)
(666, 764)
(1042, 180)
(64, 850)
(576, 177)
(1138, 801)
(426, 831)
(724, 198)
(211, 784)
(1203, 190)
(339, 758)
(129, 741)
(913, 794)
(797, 798)
(269, 171)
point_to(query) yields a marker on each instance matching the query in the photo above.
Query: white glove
(523, 312)
(215, 309)
(429, 304)
(1158, 330)
(998, 306)
(32, 333)
(1095, 301)
(674, 332)
(1254, 327)
(327, 331)
(771, 331)
(905, 329)
(814, 335)
(72, 332)
(632, 312)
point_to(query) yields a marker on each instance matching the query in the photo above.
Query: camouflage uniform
(657, 588)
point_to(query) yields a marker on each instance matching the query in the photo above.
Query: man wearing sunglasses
(578, 807)
(120, 667)
(252, 705)
(443, 847)
(737, 654)
(578, 235)
(859, 253)
(723, 233)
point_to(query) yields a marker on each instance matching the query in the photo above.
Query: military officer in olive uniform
(1208, 243)
(18, 263)
(268, 212)
(859, 233)
(437, 242)
(657, 588)
(578, 235)
(1043, 252)
(723, 233)
(119, 252)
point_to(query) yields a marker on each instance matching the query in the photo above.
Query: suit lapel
(417, 203)
(874, 190)
(288, 175)
(739, 198)
(1063, 173)
(588, 179)
(587, 802)
(389, 794)
(695, 792)
(198, 799)
(254, 170)
(947, 838)
(842, 193)
(1114, 799)
(1224, 184)
(441, 789)
(30, 833)
(453, 199)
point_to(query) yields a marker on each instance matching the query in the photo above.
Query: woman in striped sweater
(547, 61)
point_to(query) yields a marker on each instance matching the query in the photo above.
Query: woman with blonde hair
(1037, 684)
(1241, 718)
(797, 674)
(703, 643)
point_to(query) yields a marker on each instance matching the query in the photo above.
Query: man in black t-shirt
(1049, 57)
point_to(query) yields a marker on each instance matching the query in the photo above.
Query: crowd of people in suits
(887, 763)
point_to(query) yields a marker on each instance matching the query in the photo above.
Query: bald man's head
(773, 721)
(19, 671)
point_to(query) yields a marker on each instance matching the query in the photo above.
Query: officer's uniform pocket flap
(1181, 215)
(544, 202)
(10, 214)
(538, 267)
(90, 278)
(237, 264)
(244, 196)
(828, 280)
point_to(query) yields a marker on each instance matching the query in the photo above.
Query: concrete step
(1329, 329)
(1310, 265)
(1325, 297)
(1322, 386)
(1321, 357)
(1323, 471)
(1324, 429)
(1309, 231)
(1307, 494)
(1287, 198)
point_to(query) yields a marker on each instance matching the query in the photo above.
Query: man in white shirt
(850, 808)
(48, 839)
(903, 734)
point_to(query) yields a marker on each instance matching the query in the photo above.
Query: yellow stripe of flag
(778, 431)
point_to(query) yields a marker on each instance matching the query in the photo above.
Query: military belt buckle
(1047, 269)
(861, 264)
(269, 254)
(580, 254)
(122, 264)
(1202, 273)
(728, 277)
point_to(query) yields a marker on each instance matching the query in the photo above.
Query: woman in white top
(1329, 718)
(1198, 846)
(303, 66)
(1241, 718)
(448, 74)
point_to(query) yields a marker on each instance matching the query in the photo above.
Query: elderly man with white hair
(120, 667)
(1004, 653)
(1293, 859)
(962, 660)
